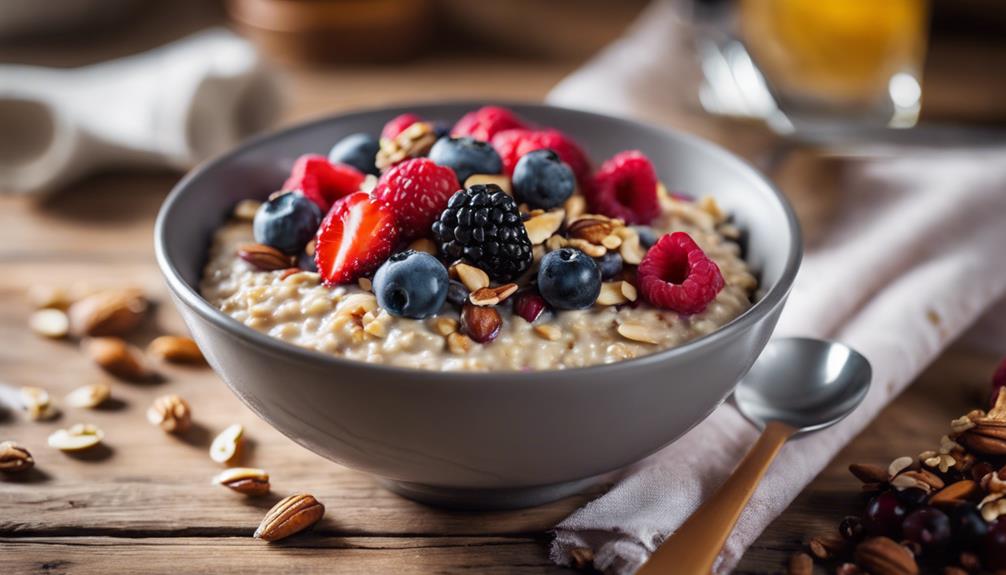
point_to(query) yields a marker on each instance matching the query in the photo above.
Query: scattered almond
(50, 322)
(868, 473)
(616, 293)
(473, 278)
(498, 179)
(117, 357)
(227, 445)
(246, 480)
(639, 333)
(263, 257)
(14, 458)
(88, 396)
(76, 437)
(37, 404)
(955, 493)
(171, 413)
(541, 227)
(108, 313)
(176, 349)
(291, 515)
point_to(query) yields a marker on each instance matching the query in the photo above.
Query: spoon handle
(693, 548)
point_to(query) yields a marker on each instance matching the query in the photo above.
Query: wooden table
(145, 504)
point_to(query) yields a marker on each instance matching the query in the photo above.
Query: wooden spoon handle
(693, 548)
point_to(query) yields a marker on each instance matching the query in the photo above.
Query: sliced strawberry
(321, 181)
(355, 238)
(398, 124)
(418, 190)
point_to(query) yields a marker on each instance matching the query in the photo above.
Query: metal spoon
(797, 385)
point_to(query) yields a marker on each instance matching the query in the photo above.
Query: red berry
(398, 124)
(355, 238)
(884, 515)
(529, 304)
(626, 188)
(512, 144)
(486, 122)
(321, 181)
(998, 382)
(418, 191)
(676, 274)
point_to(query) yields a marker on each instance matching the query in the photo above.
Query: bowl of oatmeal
(483, 306)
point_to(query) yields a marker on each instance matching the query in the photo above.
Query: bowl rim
(190, 296)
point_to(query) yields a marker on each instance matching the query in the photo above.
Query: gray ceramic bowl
(497, 439)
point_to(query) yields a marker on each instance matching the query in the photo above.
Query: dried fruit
(263, 257)
(117, 357)
(883, 556)
(88, 396)
(529, 304)
(291, 515)
(14, 458)
(246, 480)
(176, 349)
(482, 324)
(107, 313)
(50, 322)
(227, 445)
(171, 413)
(77, 437)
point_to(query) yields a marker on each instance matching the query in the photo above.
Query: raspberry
(418, 191)
(322, 182)
(512, 144)
(626, 188)
(398, 124)
(486, 122)
(676, 274)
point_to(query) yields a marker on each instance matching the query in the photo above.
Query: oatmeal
(510, 273)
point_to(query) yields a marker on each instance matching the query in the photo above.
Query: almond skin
(263, 257)
(291, 515)
(955, 493)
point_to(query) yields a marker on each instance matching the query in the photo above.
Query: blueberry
(610, 265)
(647, 236)
(466, 156)
(411, 284)
(457, 293)
(306, 262)
(287, 222)
(569, 279)
(542, 180)
(358, 150)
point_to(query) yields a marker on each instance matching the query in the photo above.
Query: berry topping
(398, 124)
(929, 528)
(457, 293)
(411, 284)
(321, 181)
(884, 515)
(357, 150)
(513, 144)
(610, 265)
(626, 188)
(676, 274)
(486, 122)
(529, 304)
(466, 156)
(287, 222)
(968, 525)
(357, 235)
(418, 191)
(482, 225)
(569, 279)
(994, 546)
(542, 180)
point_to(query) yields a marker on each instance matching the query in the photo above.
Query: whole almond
(883, 556)
(263, 257)
(955, 493)
(176, 349)
(14, 458)
(171, 413)
(291, 515)
(245, 480)
(482, 324)
(107, 313)
(117, 357)
(868, 473)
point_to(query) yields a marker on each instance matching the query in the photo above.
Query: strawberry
(355, 238)
(418, 190)
(321, 181)
(512, 144)
(398, 124)
(486, 122)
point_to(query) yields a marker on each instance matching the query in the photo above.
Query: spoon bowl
(805, 383)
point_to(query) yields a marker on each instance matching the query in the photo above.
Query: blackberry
(483, 226)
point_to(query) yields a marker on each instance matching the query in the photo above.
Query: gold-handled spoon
(797, 385)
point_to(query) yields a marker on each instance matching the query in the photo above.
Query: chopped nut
(616, 293)
(962, 424)
(498, 179)
(993, 483)
(36, 403)
(492, 296)
(88, 396)
(263, 257)
(365, 284)
(171, 413)
(800, 564)
(424, 245)
(921, 479)
(246, 480)
(548, 331)
(992, 506)
(458, 343)
(117, 357)
(473, 278)
(445, 325)
(107, 313)
(899, 465)
(541, 227)
(14, 458)
(50, 322)
(412, 142)
(245, 210)
(227, 445)
(176, 349)
(76, 437)
(709, 205)
(637, 332)
(291, 515)
(555, 242)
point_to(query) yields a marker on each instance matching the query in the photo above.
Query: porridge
(534, 263)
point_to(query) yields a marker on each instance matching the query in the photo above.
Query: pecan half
(482, 324)
(14, 458)
(291, 515)
(883, 556)
(245, 480)
(987, 437)
(171, 413)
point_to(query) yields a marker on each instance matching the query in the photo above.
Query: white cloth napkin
(173, 106)
(913, 253)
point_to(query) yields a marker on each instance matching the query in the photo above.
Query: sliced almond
(637, 332)
(492, 295)
(245, 210)
(227, 444)
(76, 437)
(245, 480)
(473, 278)
(541, 227)
(176, 349)
(107, 313)
(50, 322)
(631, 250)
(616, 293)
(548, 331)
(117, 357)
(88, 396)
(592, 250)
(498, 179)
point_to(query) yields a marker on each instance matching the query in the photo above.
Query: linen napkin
(910, 256)
(173, 106)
